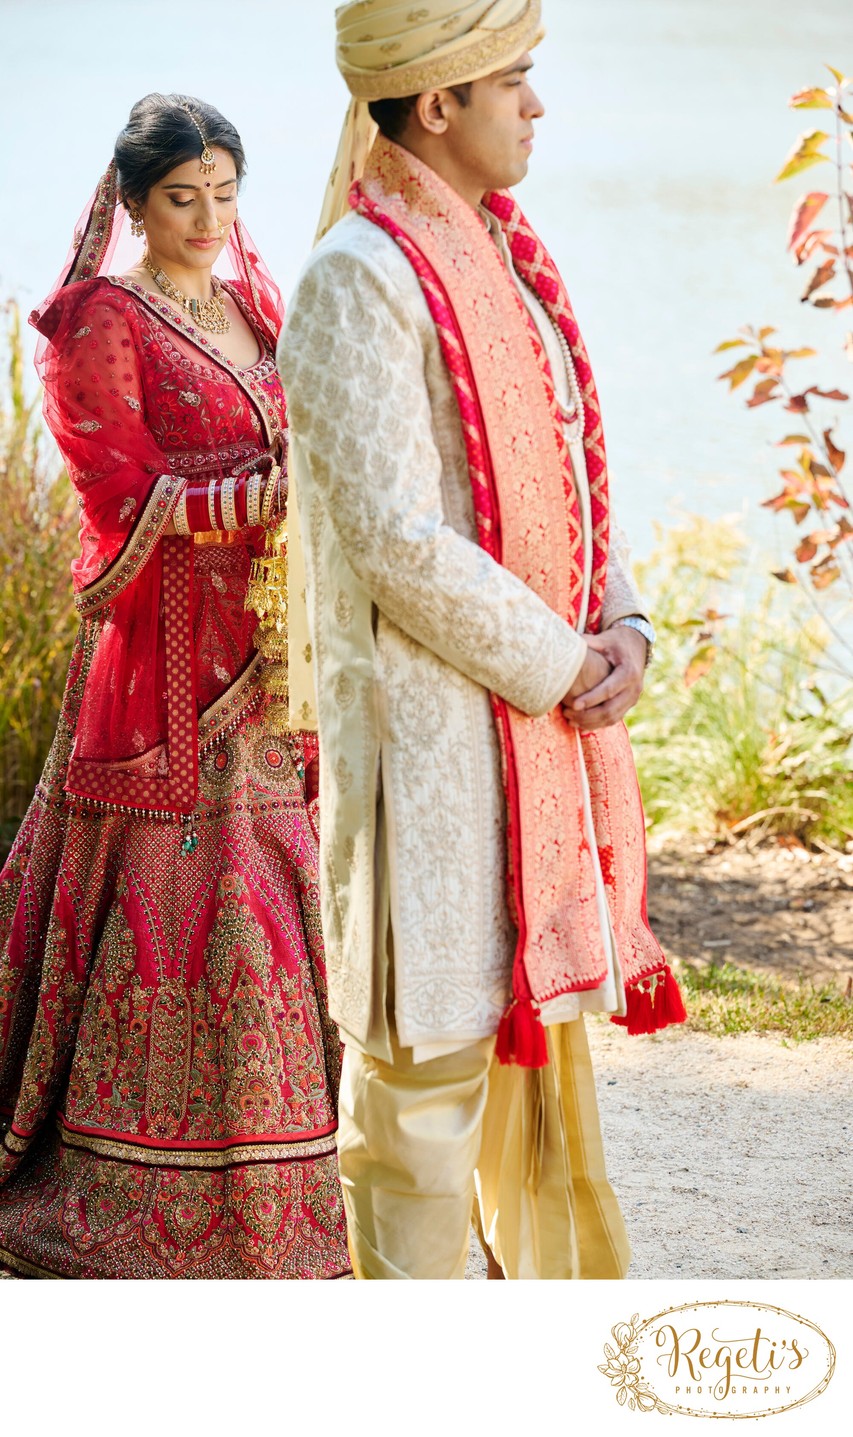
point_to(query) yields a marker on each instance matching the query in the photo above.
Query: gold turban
(387, 50)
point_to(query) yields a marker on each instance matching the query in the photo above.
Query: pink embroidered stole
(528, 519)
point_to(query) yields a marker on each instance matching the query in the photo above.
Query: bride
(168, 1070)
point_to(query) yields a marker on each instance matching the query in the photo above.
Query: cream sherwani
(412, 625)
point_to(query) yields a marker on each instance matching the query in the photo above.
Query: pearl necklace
(574, 419)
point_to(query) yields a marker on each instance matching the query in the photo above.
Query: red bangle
(240, 503)
(196, 509)
(216, 519)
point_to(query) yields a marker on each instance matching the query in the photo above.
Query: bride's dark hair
(160, 135)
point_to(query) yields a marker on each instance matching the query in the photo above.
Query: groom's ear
(431, 111)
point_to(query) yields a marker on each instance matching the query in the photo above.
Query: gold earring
(137, 228)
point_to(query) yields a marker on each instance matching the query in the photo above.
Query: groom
(475, 641)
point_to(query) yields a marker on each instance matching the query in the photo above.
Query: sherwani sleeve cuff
(621, 595)
(568, 662)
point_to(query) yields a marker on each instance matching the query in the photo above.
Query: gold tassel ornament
(266, 596)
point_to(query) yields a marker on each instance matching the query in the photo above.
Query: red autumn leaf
(815, 239)
(805, 550)
(764, 393)
(805, 211)
(700, 664)
(822, 275)
(798, 403)
(788, 500)
(785, 576)
(835, 455)
(812, 99)
(823, 574)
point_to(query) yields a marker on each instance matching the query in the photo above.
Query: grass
(761, 744)
(722, 1000)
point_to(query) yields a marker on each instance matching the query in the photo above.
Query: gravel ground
(731, 1157)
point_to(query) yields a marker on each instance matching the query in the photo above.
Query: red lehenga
(168, 1069)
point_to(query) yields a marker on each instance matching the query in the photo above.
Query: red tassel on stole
(653, 1003)
(521, 1036)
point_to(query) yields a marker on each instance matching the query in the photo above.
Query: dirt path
(732, 1157)
(774, 909)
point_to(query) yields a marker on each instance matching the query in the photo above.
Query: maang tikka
(208, 159)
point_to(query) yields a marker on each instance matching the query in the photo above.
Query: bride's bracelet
(213, 507)
(272, 500)
(254, 490)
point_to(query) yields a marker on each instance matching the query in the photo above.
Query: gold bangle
(229, 507)
(211, 504)
(179, 518)
(269, 493)
(253, 500)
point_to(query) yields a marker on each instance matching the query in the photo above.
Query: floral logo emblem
(624, 1369)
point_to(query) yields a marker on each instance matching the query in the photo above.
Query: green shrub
(38, 540)
(763, 741)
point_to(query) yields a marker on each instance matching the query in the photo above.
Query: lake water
(651, 183)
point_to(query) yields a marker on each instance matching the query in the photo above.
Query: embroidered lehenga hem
(144, 1109)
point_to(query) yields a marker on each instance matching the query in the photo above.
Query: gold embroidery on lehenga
(168, 1061)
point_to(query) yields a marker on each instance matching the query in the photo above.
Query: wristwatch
(633, 621)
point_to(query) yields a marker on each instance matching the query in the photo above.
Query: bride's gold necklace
(208, 314)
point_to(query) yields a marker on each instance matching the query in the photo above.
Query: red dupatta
(133, 679)
(527, 516)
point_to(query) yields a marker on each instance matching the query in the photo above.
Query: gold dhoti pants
(423, 1145)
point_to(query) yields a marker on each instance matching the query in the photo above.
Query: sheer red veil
(91, 358)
